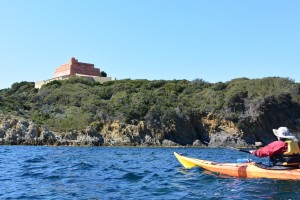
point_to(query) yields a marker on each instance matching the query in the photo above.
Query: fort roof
(74, 67)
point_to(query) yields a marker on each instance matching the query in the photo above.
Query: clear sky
(213, 40)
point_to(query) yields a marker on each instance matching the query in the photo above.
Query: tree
(103, 74)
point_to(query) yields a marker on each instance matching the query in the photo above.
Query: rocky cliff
(149, 113)
(200, 131)
(195, 130)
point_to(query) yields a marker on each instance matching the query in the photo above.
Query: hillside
(142, 112)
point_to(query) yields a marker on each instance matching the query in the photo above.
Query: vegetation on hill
(79, 102)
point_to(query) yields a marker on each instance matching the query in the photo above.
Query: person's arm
(274, 148)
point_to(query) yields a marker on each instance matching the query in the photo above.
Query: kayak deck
(243, 170)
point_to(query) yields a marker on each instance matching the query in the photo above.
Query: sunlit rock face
(206, 129)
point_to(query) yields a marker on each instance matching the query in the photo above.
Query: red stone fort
(74, 68)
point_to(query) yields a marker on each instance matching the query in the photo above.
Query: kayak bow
(242, 170)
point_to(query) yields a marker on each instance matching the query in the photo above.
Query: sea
(48, 172)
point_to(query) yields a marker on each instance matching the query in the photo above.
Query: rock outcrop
(196, 130)
(18, 131)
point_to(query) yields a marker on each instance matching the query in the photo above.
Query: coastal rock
(197, 143)
(168, 143)
(225, 139)
(205, 129)
(196, 131)
(47, 137)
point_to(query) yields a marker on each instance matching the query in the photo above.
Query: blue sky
(213, 40)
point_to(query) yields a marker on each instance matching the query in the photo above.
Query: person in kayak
(283, 152)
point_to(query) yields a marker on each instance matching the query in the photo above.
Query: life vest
(289, 158)
(293, 148)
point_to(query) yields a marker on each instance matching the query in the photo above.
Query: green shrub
(78, 101)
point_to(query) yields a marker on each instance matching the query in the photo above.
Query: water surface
(29, 172)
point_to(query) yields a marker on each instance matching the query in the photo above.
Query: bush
(78, 101)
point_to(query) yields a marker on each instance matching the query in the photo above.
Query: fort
(75, 68)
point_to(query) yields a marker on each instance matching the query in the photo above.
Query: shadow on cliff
(269, 113)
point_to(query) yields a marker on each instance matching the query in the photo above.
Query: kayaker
(283, 152)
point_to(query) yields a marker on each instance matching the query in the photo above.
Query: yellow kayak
(243, 170)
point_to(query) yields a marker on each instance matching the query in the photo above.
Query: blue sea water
(40, 172)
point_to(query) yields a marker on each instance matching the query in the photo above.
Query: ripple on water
(37, 159)
(132, 177)
(125, 173)
(82, 166)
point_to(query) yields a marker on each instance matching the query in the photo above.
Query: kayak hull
(243, 170)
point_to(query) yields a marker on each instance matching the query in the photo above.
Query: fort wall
(75, 68)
